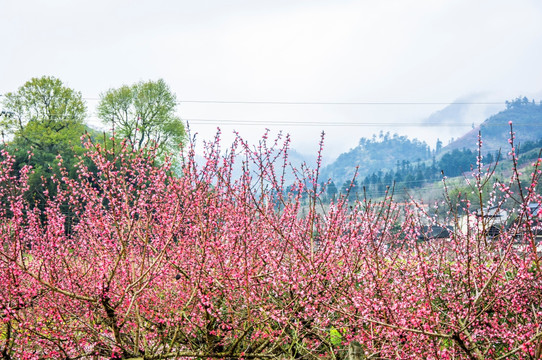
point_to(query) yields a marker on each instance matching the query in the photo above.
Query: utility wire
(337, 103)
(271, 122)
(337, 123)
(385, 103)
(308, 123)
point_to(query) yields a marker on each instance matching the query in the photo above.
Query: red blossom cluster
(207, 264)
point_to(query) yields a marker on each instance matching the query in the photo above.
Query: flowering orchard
(132, 262)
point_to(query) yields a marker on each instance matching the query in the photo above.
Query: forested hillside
(409, 164)
(526, 117)
(381, 153)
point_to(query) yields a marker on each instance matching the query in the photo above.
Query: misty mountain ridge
(526, 118)
(457, 118)
(387, 152)
(387, 158)
(376, 154)
(463, 111)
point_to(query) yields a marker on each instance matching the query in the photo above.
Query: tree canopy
(43, 120)
(44, 114)
(143, 113)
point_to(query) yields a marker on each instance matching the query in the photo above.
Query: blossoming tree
(131, 261)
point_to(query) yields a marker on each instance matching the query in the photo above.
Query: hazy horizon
(401, 63)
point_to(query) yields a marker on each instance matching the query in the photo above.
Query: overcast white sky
(287, 51)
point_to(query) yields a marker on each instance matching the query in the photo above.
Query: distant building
(493, 220)
(494, 216)
(435, 232)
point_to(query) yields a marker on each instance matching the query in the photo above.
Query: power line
(337, 103)
(271, 122)
(385, 103)
(311, 123)
(337, 123)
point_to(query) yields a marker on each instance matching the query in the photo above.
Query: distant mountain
(385, 160)
(454, 120)
(385, 152)
(463, 111)
(526, 117)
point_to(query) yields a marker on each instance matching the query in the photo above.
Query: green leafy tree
(143, 113)
(43, 118)
(44, 114)
(46, 118)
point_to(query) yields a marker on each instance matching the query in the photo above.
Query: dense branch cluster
(210, 264)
